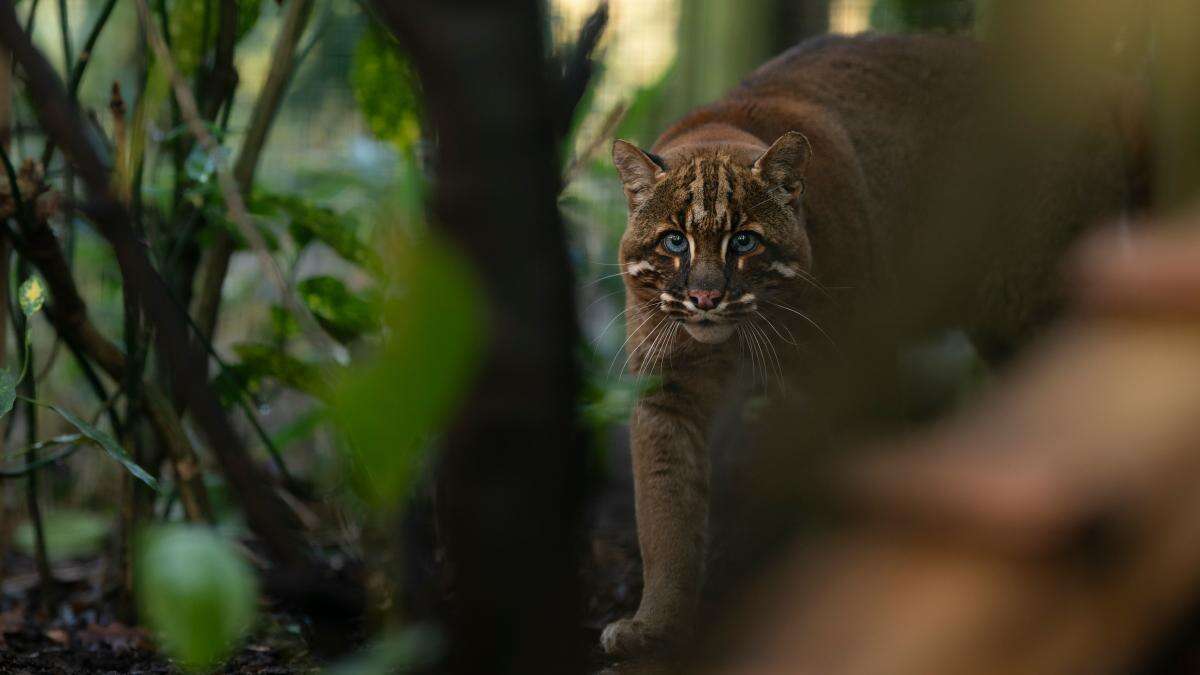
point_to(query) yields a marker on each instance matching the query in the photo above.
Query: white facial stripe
(785, 269)
(691, 249)
(635, 268)
(724, 246)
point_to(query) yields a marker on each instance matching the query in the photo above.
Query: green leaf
(389, 408)
(108, 443)
(8, 390)
(308, 222)
(69, 534)
(187, 28)
(414, 647)
(341, 313)
(386, 89)
(258, 361)
(32, 295)
(196, 593)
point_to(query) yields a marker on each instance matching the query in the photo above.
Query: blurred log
(1053, 528)
(511, 476)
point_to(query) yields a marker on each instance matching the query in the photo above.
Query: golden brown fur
(814, 156)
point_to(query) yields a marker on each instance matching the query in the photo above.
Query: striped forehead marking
(698, 211)
(711, 193)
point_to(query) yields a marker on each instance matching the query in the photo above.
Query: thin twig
(230, 190)
(283, 65)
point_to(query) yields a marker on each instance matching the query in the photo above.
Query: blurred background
(346, 425)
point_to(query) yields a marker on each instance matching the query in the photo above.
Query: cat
(748, 213)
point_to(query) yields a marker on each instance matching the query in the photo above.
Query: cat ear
(639, 171)
(782, 165)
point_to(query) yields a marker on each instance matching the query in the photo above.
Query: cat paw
(632, 637)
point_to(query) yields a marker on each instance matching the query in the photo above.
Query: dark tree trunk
(512, 473)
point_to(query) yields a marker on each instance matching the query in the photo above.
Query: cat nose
(704, 299)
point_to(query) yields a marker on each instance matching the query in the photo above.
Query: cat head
(714, 236)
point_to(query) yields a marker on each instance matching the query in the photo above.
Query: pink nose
(705, 299)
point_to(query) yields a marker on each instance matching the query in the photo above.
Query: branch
(68, 314)
(223, 78)
(230, 189)
(266, 515)
(283, 63)
(578, 67)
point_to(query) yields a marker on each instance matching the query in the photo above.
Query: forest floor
(78, 630)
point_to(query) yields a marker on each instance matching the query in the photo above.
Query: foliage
(923, 15)
(70, 534)
(411, 648)
(386, 89)
(31, 296)
(308, 222)
(341, 313)
(195, 592)
(387, 409)
(260, 361)
(189, 31)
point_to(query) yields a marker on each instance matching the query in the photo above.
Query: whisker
(603, 297)
(804, 316)
(627, 339)
(770, 345)
(663, 349)
(606, 276)
(638, 348)
(745, 342)
(770, 323)
(647, 365)
(756, 354)
(617, 316)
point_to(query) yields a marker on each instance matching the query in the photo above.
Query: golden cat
(745, 210)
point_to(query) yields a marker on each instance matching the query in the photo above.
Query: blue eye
(744, 242)
(675, 242)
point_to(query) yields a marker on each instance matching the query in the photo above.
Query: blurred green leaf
(31, 295)
(283, 325)
(188, 31)
(108, 443)
(69, 534)
(308, 222)
(340, 312)
(414, 647)
(386, 89)
(8, 390)
(922, 15)
(258, 361)
(196, 593)
(300, 428)
(388, 409)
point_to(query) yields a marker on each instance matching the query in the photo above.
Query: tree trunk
(511, 482)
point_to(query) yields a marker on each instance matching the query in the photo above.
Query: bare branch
(230, 190)
(283, 63)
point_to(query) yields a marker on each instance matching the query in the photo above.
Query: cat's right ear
(639, 171)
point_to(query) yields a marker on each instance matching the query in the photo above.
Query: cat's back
(870, 67)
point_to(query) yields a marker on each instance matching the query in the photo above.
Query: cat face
(711, 241)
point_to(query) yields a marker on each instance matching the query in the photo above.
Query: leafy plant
(31, 296)
(388, 408)
(340, 312)
(385, 88)
(196, 593)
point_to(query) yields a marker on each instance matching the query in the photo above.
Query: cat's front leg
(671, 489)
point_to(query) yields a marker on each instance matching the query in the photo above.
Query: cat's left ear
(782, 165)
(639, 171)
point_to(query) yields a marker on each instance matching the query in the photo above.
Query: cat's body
(736, 240)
